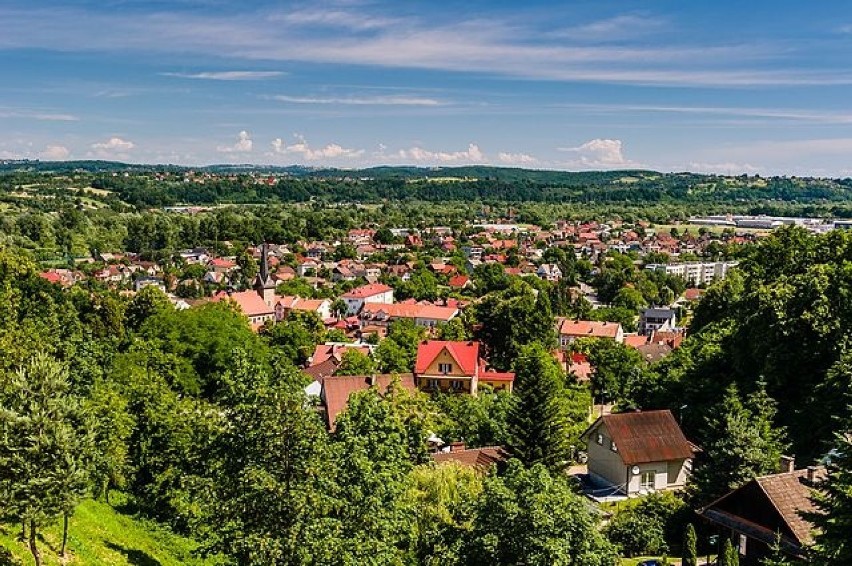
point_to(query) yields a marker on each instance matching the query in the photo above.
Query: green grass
(100, 534)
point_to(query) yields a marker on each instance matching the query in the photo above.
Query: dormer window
(612, 446)
(599, 439)
(445, 368)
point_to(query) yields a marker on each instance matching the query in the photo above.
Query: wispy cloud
(27, 114)
(788, 114)
(473, 154)
(617, 28)
(227, 75)
(361, 101)
(484, 46)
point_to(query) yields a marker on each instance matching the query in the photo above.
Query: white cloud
(362, 101)
(497, 46)
(55, 153)
(227, 75)
(243, 144)
(114, 144)
(472, 155)
(301, 148)
(517, 158)
(36, 115)
(598, 153)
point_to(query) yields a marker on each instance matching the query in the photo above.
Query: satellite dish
(635, 470)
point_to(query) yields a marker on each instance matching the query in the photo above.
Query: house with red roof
(452, 366)
(638, 452)
(422, 314)
(335, 391)
(570, 330)
(376, 293)
(459, 282)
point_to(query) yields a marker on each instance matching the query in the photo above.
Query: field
(101, 534)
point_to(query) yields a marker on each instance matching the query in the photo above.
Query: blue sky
(730, 87)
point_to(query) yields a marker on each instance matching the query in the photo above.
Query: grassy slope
(99, 534)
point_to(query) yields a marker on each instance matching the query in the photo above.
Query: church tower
(263, 283)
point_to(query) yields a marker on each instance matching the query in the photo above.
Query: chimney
(811, 475)
(787, 464)
(457, 446)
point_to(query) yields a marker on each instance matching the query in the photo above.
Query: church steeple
(263, 283)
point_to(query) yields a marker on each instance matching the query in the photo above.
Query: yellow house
(451, 366)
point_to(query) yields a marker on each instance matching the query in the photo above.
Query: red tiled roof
(336, 391)
(466, 354)
(481, 458)
(459, 281)
(367, 291)
(635, 340)
(647, 436)
(400, 310)
(249, 302)
(51, 276)
(324, 352)
(590, 328)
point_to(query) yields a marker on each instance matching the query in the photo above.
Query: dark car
(652, 562)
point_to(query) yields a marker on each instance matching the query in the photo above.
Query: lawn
(100, 534)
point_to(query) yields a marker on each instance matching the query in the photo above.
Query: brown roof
(482, 458)
(647, 436)
(589, 328)
(790, 494)
(336, 390)
(325, 368)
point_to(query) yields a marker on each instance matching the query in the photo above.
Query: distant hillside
(99, 534)
(156, 186)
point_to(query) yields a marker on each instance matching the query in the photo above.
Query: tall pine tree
(538, 423)
(833, 542)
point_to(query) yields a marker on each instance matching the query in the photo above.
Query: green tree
(729, 555)
(397, 352)
(740, 442)
(248, 267)
(444, 499)
(353, 362)
(511, 319)
(148, 302)
(690, 547)
(528, 516)
(833, 519)
(268, 483)
(479, 420)
(44, 447)
(538, 420)
(295, 337)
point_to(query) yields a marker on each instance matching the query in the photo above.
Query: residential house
(570, 330)
(656, 319)
(376, 293)
(335, 391)
(285, 305)
(481, 459)
(455, 366)
(549, 272)
(638, 452)
(427, 315)
(756, 514)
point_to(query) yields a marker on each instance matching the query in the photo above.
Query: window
(432, 384)
(599, 439)
(456, 384)
(445, 368)
(646, 480)
(612, 446)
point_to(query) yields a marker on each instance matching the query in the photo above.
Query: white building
(695, 273)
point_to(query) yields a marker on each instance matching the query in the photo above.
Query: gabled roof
(336, 390)
(466, 354)
(480, 458)
(405, 310)
(646, 436)
(367, 291)
(249, 302)
(589, 328)
(787, 495)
